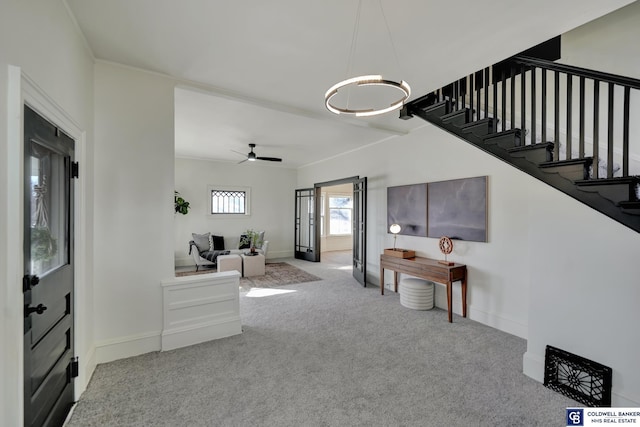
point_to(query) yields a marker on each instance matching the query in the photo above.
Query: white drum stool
(417, 294)
(229, 263)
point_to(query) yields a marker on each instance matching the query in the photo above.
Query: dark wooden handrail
(485, 94)
(578, 71)
(565, 125)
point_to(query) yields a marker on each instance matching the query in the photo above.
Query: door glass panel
(49, 195)
(305, 220)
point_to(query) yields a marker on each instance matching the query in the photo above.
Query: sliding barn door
(306, 226)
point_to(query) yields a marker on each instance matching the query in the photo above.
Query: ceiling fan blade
(270, 159)
(242, 161)
(237, 152)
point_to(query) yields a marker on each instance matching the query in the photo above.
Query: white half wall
(272, 204)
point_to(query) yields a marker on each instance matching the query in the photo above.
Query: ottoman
(253, 265)
(229, 263)
(417, 294)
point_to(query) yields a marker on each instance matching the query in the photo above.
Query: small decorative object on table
(397, 252)
(446, 247)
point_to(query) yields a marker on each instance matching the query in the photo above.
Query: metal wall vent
(581, 379)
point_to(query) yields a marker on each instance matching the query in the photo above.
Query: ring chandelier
(367, 80)
(370, 80)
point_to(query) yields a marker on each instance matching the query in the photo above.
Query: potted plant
(43, 245)
(251, 238)
(182, 206)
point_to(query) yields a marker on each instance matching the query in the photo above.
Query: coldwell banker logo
(574, 417)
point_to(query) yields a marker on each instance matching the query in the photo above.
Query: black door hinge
(74, 367)
(74, 169)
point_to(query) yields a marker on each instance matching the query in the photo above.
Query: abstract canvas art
(407, 206)
(458, 209)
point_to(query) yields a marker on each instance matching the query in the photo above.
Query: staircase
(566, 126)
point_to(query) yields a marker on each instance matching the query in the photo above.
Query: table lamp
(397, 252)
(395, 229)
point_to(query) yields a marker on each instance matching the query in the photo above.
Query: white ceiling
(256, 71)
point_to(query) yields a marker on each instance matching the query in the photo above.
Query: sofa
(205, 248)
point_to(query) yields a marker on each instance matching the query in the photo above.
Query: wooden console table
(426, 268)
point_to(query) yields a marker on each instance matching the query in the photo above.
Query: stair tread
(633, 204)
(531, 146)
(477, 123)
(435, 106)
(427, 99)
(584, 160)
(515, 131)
(454, 114)
(610, 181)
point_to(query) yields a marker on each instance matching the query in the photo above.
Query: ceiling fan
(251, 156)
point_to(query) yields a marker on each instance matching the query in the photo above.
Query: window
(229, 200)
(340, 208)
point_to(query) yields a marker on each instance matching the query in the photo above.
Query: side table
(253, 265)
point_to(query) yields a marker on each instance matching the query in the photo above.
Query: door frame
(318, 186)
(23, 90)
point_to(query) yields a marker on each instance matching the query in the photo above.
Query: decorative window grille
(228, 202)
(574, 376)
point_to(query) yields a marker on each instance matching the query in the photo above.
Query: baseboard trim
(533, 366)
(123, 347)
(620, 401)
(494, 320)
(88, 368)
(196, 334)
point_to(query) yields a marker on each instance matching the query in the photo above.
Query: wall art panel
(458, 209)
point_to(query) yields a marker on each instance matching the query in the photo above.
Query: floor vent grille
(581, 379)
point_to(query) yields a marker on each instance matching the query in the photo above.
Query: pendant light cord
(393, 46)
(366, 80)
(354, 42)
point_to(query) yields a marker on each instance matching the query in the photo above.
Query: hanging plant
(182, 206)
(43, 245)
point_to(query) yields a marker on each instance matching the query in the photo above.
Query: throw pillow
(218, 242)
(244, 242)
(260, 239)
(202, 241)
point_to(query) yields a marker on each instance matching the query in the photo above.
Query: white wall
(550, 265)
(553, 271)
(272, 204)
(609, 44)
(606, 44)
(585, 299)
(498, 275)
(134, 180)
(38, 37)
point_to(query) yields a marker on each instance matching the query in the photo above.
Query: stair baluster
(473, 106)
